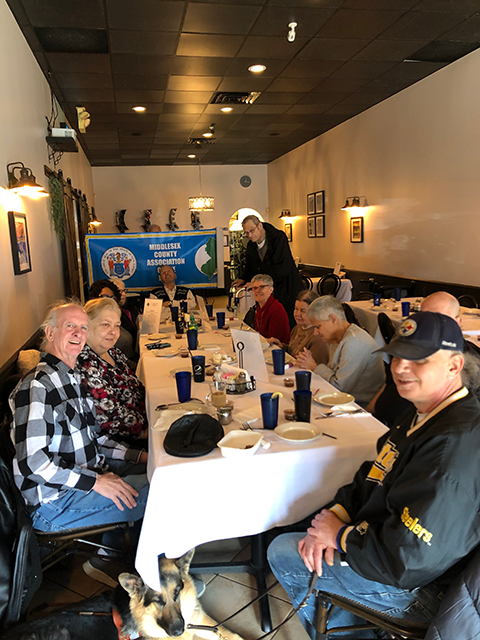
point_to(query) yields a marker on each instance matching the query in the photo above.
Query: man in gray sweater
(353, 366)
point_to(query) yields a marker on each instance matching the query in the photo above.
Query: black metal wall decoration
(146, 224)
(195, 220)
(120, 221)
(171, 224)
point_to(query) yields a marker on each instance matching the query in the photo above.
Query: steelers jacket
(414, 513)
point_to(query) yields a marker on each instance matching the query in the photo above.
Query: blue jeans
(80, 509)
(417, 605)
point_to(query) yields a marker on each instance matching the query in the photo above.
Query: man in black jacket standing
(409, 522)
(268, 252)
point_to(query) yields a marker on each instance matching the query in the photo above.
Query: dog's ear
(183, 563)
(132, 584)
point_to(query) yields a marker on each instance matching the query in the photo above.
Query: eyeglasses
(248, 232)
(105, 295)
(260, 287)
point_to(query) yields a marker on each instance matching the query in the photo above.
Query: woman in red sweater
(271, 320)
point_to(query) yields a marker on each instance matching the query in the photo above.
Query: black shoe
(105, 569)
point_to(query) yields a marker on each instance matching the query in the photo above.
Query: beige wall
(163, 188)
(24, 103)
(416, 157)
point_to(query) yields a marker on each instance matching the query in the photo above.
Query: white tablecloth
(344, 293)
(367, 315)
(197, 500)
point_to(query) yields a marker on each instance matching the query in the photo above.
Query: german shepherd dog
(142, 612)
(168, 612)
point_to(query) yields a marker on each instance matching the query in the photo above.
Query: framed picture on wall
(311, 227)
(320, 202)
(288, 232)
(319, 226)
(311, 204)
(17, 223)
(356, 229)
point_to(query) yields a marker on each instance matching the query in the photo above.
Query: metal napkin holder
(237, 388)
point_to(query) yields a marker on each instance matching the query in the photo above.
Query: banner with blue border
(136, 258)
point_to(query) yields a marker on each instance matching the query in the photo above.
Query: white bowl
(239, 444)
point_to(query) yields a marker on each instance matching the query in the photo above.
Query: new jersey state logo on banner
(137, 258)
(118, 262)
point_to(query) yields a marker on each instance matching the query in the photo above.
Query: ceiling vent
(235, 97)
(201, 141)
(72, 40)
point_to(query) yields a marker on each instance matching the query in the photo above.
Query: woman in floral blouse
(118, 394)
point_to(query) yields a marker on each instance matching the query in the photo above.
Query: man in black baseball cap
(409, 521)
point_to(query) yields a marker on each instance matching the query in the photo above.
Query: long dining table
(197, 500)
(367, 316)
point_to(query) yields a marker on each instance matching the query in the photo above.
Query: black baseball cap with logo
(423, 334)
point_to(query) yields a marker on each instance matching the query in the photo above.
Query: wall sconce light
(25, 184)
(353, 202)
(94, 221)
(285, 215)
(201, 203)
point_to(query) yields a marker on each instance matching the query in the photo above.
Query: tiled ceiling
(173, 56)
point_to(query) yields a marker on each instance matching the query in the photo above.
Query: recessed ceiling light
(257, 68)
(139, 109)
(191, 155)
(226, 109)
(208, 134)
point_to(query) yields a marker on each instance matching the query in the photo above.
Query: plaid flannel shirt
(58, 443)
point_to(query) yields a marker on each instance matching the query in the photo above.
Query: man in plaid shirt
(69, 474)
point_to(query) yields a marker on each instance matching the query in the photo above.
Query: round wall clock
(245, 181)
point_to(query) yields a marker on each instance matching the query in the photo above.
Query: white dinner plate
(331, 399)
(156, 336)
(169, 352)
(298, 431)
(174, 371)
(225, 360)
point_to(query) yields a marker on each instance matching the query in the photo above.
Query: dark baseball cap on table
(423, 334)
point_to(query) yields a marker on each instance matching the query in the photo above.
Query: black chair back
(350, 314)
(306, 281)
(468, 301)
(386, 326)
(328, 285)
(362, 295)
(20, 572)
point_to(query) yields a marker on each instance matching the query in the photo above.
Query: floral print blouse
(118, 394)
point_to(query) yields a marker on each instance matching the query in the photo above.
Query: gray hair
(323, 307)
(307, 295)
(471, 373)
(51, 319)
(97, 306)
(251, 218)
(264, 278)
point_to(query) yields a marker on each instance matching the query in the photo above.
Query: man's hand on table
(305, 360)
(320, 541)
(111, 486)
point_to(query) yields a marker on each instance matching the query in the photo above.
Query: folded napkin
(228, 368)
